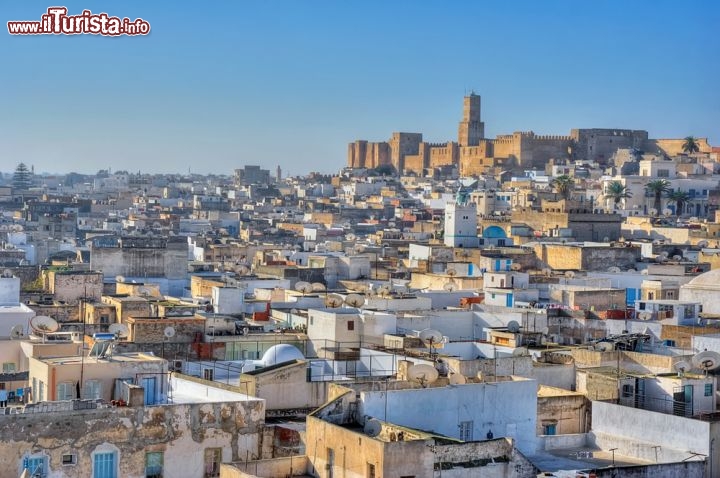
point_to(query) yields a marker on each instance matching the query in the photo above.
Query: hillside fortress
(474, 154)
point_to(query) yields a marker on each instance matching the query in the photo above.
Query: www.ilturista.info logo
(57, 22)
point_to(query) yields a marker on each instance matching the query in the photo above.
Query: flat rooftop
(129, 357)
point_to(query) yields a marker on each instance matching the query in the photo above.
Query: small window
(550, 429)
(69, 459)
(154, 461)
(91, 390)
(65, 391)
(708, 389)
(351, 325)
(370, 470)
(627, 391)
(8, 367)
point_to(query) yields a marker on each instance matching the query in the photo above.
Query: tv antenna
(707, 360)
(169, 332)
(17, 332)
(42, 324)
(355, 300)
(333, 301)
(373, 427)
(423, 374)
(303, 287)
(120, 330)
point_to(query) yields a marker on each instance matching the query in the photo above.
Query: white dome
(281, 353)
(709, 280)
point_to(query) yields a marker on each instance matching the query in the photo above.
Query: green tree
(656, 189)
(690, 145)
(680, 198)
(22, 178)
(563, 185)
(617, 191)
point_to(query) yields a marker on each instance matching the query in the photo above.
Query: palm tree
(690, 145)
(563, 185)
(617, 191)
(680, 198)
(656, 189)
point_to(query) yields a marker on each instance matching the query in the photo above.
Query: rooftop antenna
(303, 287)
(333, 301)
(17, 332)
(681, 367)
(355, 300)
(423, 374)
(431, 338)
(706, 361)
(119, 330)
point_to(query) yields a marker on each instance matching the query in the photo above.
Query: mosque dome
(281, 353)
(709, 280)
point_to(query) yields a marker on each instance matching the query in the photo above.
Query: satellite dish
(318, 286)
(667, 212)
(457, 379)
(333, 301)
(652, 211)
(384, 290)
(430, 337)
(665, 253)
(703, 243)
(355, 300)
(43, 324)
(303, 287)
(547, 271)
(677, 258)
(17, 332)
(350, 237)
(450, 287)
(614, 269)
(660, 259)
(604, 346)
(515, 266)
(121, 330)
(7, 273)
(645, 315)
(681, 367)
(120, 279)
(569, 274)
(707, 360)
(644, 272)
(372, 427)
(423, 374)
(451, 272)
(513, 326)
(545, 330)
(243, 270)
(169, 332)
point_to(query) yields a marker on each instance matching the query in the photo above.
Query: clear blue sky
(217, 85)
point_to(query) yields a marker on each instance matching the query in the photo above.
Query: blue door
(149, 386)
(104, 465)
(509, 300)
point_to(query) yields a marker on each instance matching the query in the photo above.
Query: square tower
(471, 130)
(461, 224)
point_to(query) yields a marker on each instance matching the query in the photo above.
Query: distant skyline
(219, 85)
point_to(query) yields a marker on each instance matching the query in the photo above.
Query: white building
(461, 223)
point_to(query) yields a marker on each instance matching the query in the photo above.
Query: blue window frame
(104, 465)
(36, 466)
(708, 389)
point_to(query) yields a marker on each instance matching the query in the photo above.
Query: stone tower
(471, 130)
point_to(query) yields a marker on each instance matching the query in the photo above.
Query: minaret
(461, 222)
(278, 174)
(471, 130)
